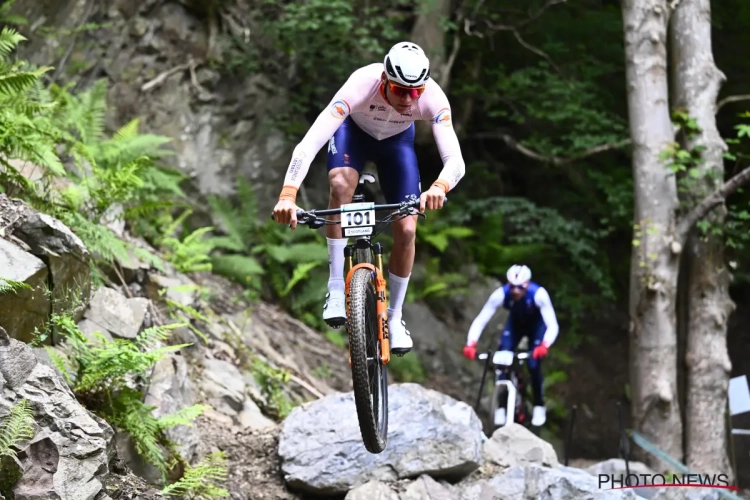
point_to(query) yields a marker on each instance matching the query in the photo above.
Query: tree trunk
(696, 86)
(429, 34)
(654, 268)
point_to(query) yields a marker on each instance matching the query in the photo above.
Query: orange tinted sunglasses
(401, 91)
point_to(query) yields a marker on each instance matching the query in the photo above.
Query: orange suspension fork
(381, 306)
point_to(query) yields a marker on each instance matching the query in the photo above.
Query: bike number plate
(503, 358)
(357, 219)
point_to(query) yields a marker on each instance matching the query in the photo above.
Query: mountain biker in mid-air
(531, 314)
(371, 118)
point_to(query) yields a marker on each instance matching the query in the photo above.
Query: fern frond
(20, 81)
(241, 268)
(184, 416)
(47, 157)
(149, 258)
(9, 40)
(18, 426)
(61, 362)
(8, 285)
(301, 272)
(301, 252)
(203, 480)
(135, 417)
(152, 337)
(93, 108)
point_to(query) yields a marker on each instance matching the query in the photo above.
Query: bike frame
(504, 360)
(364, 242)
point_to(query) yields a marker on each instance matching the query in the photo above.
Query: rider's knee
(405, 233)
(342, 185)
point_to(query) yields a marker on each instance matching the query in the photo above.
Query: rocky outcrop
(42, 252)
(68, 456)
(120, 316)
(161, 57)
(536, 481)
(321, 448)
(23, 311)
(514, 445)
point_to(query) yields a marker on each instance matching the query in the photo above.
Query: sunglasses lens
(403, 91)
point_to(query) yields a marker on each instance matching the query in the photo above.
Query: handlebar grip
(300, 214)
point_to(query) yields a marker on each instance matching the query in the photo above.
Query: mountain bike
(511, 387)
(366, 304)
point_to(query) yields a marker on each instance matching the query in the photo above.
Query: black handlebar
(482, 356)
(305, 216)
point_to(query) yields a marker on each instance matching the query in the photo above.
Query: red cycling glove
(540, 351)
(470, 350)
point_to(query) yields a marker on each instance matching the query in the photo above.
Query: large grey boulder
(321, 446)
(514, 445)
(170, 390)
(372, 490)
(68, 456)
(121, 316)
(426, 488)
(544, 483)
(26, 310)
(66, 256)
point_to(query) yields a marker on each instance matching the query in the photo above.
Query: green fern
(17, 426)
(8, 285)
(202, 480)
(9, 40)
(99, 373)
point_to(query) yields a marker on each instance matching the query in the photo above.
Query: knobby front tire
(370, 378)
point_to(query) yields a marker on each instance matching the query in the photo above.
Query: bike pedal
(335, 323)
(400, 354)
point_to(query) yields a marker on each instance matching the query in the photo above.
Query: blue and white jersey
(534, 306)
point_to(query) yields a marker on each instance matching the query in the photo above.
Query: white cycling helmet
(406, 64)
(517, 275)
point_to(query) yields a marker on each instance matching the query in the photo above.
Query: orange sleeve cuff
(289, 193)
(441, 184)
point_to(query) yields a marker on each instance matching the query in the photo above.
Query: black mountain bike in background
(509, 392)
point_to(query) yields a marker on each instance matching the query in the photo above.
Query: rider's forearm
(477, 326)
(453, 171)
(295, 173)
(325, 125)
(450, 152)
(551, 334)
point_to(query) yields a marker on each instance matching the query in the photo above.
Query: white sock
(397, 295)
(336, 263)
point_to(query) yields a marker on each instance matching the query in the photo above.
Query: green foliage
(272, 381)
(100, 373)
(189, 254)
(288, 267)
(302, 35)
(85, 174)
(407, 368)
(567, 115)
(16, 427)
(8, 285)
(202, 480)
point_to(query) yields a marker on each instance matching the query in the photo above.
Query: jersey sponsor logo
(443, 117)
(295, 168)
(340, 109)
(332, 146)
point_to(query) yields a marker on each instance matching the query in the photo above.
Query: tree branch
(710, 202)
(554, 160)
(730, 99)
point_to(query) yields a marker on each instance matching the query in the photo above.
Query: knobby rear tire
(370, 380)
